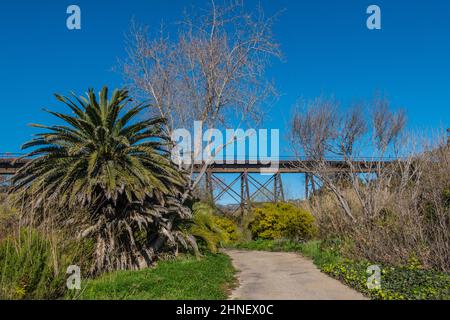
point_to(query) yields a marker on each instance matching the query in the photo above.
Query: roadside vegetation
(282, 220)
(33, 263)
(182, 278)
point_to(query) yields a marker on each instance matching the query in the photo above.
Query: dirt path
(282, 275)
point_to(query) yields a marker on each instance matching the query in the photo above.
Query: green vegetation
(100, 192)
(229, 227)
(282, 220)
(205, 229)
(396, 282)
(8, 216)
(210, 229)
(269, 245)
(188, 278)
(100, 189)
(400, 282)
(27, 269)
(107, 174)
(33, 265)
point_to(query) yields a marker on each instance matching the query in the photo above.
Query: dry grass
(406, 217)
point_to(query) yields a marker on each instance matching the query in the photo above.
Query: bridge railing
(14, 155)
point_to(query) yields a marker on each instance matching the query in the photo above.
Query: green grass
(310, 249)
(397, 282)
(269, 245)
(211, 277)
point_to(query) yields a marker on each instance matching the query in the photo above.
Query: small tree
(106, 175)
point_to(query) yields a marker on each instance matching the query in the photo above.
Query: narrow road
(284, 275)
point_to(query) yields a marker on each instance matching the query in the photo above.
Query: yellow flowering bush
(229, 226)
(282, 220)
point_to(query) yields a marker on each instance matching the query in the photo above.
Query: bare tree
(322, 133)
(394, 204)
(213, 71)
(401, 208)
(387, 125)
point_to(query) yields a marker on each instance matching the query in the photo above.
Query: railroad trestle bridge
(246, 181)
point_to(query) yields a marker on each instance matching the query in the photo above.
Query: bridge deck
(10, 165)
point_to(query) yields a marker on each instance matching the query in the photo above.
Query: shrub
(28, 270)
(229, 226)
(34, 267)
(282, 220)
(212, 230)
(205, 229)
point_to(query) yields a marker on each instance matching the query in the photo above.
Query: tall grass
(31, 268)
(403, 214)
(33, 262)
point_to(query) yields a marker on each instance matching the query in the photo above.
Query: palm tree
(108, 175)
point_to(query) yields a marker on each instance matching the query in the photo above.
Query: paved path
(283, 275)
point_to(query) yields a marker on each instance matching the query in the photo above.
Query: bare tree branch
(213, 71)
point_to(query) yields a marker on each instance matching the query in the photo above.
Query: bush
(230, 227)
(282, 220)
(34, 267)
(212, 230)
(205, 229)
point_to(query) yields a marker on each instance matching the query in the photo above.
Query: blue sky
(327, 48)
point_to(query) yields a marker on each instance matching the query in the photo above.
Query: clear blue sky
(327, 49)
